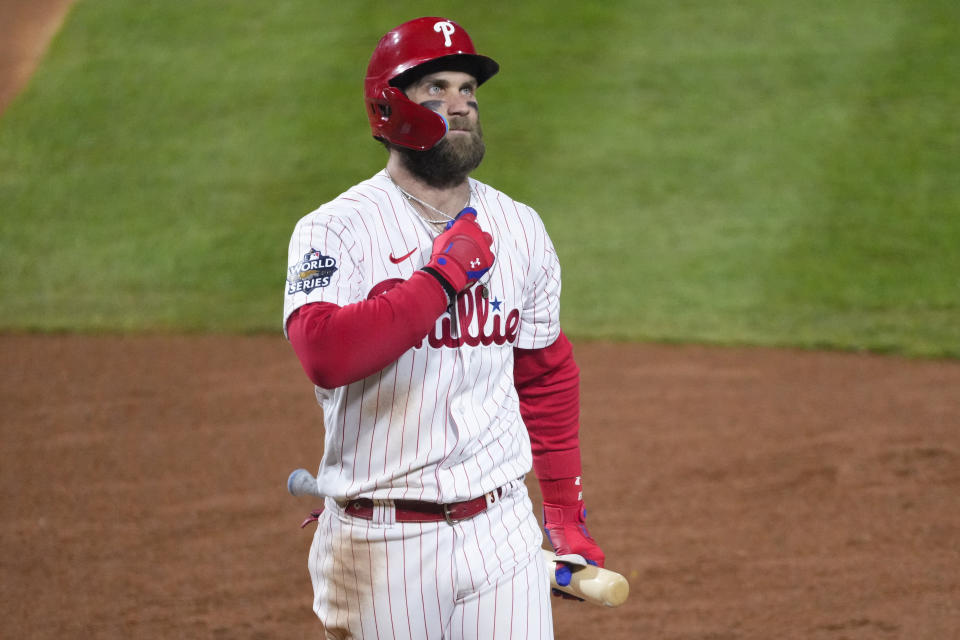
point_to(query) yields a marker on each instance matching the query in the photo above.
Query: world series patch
(313, 271)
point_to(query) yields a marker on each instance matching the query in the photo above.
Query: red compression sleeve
(548, 384)
(339, 345)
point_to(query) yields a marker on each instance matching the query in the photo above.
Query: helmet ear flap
(399, 120)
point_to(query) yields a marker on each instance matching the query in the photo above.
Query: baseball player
(424, 307)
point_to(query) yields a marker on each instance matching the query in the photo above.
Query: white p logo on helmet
(446, 28)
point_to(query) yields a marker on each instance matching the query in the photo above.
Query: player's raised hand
(461, 254)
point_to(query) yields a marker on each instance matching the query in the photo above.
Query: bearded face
(453, 159)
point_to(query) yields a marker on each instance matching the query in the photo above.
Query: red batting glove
(461, 254)
(565, 524)
(567, 530)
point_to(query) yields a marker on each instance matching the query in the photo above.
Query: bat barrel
(593, 584)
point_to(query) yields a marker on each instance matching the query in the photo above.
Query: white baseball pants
(479, 579)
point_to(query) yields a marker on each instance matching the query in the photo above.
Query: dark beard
(449, 162)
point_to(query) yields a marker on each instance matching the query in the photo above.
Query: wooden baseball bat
(593, 584)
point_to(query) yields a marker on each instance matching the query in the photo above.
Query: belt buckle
(446, 515)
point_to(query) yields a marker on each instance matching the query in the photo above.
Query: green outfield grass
(751, 172)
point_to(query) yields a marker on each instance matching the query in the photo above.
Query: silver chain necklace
(409, 196)
(484, 290)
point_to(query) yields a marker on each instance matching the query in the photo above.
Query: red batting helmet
(405, 54)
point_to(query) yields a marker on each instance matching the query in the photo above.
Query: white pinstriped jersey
(442, 423)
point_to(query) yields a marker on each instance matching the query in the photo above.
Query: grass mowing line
(879, 252)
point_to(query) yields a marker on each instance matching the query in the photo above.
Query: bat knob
(301, 482)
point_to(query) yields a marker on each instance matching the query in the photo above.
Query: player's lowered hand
(566, 529)
(461, 254)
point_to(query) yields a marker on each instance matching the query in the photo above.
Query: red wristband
(562, 491)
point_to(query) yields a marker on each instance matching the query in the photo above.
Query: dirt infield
(745, 493)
